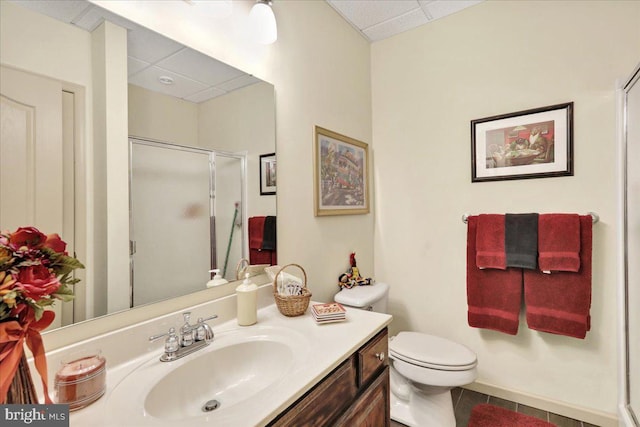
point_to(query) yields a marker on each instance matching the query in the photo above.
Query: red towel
(485, 415)
(559, 242)
(256, 231)
(489, 244)
(559, 303)
(493, 296)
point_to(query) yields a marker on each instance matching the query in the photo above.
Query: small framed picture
(535, 143)
(341, 174)
(268, 174)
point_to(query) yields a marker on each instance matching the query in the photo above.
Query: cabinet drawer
(373, 357)
(325, 401)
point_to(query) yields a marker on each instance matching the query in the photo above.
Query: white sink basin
(236, 367)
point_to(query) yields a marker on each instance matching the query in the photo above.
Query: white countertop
(327, 346)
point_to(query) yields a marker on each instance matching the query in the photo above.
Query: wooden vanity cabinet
(355, 394)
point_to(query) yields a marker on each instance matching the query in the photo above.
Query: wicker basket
(292, 305)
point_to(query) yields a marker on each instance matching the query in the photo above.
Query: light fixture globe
(263, 22)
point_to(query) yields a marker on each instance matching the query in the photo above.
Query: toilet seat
(432, 352)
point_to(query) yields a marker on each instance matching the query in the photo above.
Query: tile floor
(464, 400)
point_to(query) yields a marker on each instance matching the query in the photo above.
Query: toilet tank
(369, 297)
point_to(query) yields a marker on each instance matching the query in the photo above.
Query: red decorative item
(35, 270)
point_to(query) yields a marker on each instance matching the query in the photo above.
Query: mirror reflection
(120, 121)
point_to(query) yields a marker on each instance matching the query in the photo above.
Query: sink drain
(211, 405)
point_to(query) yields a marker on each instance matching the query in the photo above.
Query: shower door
(171, 220)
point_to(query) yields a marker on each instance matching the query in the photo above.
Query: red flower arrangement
(35, 270)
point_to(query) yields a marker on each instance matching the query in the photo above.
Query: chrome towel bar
(594, 217)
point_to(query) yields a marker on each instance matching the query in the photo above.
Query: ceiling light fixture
(165, 80)
(263, 22)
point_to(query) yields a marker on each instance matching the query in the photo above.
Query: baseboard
(602, 419)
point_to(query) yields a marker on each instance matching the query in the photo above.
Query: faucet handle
(171, 344)
(187, 316)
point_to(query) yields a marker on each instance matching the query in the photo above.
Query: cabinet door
(372, 408)
(325, 401)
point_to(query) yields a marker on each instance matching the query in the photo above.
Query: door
(31, 158)
(171, 205)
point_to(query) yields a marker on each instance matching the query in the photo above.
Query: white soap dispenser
(247, 302)
(217, 279)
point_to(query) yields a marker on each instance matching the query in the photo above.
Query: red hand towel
(493, 296)
(559, 303)
(559, 242)
(256, 231)
(489, 244)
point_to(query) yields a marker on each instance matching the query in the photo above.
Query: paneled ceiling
(152, 58)
(380, 19)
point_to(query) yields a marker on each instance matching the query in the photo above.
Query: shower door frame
(628, 414)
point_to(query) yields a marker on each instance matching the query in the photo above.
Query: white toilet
(424, 368)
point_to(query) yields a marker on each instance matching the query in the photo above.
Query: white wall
(320, 68)
(427, 84)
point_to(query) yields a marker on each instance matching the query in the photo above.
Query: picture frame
(268, 174)
(536, 143)
(341, 174)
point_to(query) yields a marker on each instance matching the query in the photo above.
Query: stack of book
(328, 313)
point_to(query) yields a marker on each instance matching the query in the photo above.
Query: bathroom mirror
(220, 109)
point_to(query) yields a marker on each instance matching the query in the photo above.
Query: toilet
(423, 368)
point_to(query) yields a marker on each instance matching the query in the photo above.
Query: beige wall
(427, 84)
(164, 118)
(243, 120)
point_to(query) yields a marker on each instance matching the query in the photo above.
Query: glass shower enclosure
(186, 218)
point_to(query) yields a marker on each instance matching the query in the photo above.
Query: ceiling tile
(440, 8)
(96, 15)
(396, 26)
(182, 87)
(149, 46)
(366, 13)
(199, 67)
(205, 95)
(134, 65)
(238, 82)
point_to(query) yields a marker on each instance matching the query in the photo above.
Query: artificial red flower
(36, 281)
(55, 243)
(25, 238)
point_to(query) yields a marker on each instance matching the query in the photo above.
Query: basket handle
(275, 278)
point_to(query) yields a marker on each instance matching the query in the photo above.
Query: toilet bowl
(423, 368)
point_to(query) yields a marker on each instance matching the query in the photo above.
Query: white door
(170, 221)
(31, 156)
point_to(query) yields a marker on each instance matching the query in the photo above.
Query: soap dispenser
(217, 279)
(247, 302)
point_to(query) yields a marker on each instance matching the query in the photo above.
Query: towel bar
(594, 217)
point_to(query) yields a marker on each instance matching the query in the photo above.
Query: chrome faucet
(191, 338)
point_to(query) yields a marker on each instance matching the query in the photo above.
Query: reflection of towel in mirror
(256, 232)
(269, 235)
(493, 296)
(489, 242)
(559, 242)
(521, 240)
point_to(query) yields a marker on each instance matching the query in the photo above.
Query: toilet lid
(431, 352)
(362, 296)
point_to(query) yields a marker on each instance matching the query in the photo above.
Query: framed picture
(534, 143)
(341, 174)
(267, 174)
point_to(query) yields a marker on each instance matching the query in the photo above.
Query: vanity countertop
(324, 348)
